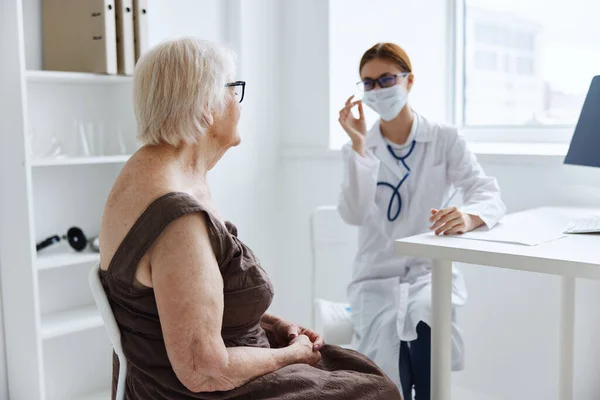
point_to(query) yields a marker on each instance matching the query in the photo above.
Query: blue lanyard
(396, 189)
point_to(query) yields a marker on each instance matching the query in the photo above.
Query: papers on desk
(505, 234)
(529, 229)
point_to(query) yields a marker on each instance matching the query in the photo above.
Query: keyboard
(584, 225)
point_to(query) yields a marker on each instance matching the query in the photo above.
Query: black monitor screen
(585, 145)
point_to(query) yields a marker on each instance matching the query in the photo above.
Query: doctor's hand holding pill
(400, 177)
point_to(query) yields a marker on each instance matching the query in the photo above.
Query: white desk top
(572, 255)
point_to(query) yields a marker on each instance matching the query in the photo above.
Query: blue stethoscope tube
(396, 189)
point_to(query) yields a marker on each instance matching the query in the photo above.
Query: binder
(140, 24)
(79, 36)
(125, 46)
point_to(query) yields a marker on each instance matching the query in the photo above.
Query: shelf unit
(56, 348)
(105, 395)
(70, 321)
(117, 159)
(66, 259)
(74, 77)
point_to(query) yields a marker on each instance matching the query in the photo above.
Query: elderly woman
(189, 297)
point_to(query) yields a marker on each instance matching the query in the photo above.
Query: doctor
(398, 177)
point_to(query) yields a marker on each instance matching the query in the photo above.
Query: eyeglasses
(384, 82)
(238, 96)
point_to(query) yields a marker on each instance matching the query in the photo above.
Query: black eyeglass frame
(236, 84)
(378, 80)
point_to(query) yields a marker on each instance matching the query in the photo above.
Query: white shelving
(58, 260)
(74, 77)
(71, 321)
(104, 395)
(80, 161)
(55, 342)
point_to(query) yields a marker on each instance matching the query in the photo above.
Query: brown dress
(341, 374)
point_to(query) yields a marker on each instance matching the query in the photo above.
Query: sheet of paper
(529, 229)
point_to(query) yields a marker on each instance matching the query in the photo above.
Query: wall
(511, 319)
(3, 371)
(246, 183)
(304, 54)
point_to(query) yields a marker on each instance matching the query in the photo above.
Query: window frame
(456, 95)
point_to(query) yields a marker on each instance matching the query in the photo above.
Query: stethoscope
(396, 189)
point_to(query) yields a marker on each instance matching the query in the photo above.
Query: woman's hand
(450, 220)
(283, 332)
(356, 128)
(305, 350)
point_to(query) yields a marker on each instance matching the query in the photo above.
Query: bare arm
(189, 294)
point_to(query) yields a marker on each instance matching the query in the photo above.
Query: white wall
(304, 54)
(168, 19)
(245, 181)
(3, 371)
(511, 319)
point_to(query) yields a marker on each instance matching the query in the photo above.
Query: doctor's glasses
(383, 81)
(240, 89)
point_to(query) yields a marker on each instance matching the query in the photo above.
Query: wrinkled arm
(189, 294)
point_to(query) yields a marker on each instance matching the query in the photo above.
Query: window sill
(519, 153)
(486, 152)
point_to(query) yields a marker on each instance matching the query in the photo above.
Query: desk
(573, 256)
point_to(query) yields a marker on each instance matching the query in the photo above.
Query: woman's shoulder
(126, 207)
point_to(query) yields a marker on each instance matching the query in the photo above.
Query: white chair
(333, 246)
(114, 334)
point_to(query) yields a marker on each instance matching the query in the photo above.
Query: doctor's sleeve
(357, 197)
(481, 193)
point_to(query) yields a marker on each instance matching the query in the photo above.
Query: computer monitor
(584, 149)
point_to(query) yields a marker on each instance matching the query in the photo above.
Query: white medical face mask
(387, 102)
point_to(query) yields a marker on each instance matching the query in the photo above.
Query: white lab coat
(390, 294)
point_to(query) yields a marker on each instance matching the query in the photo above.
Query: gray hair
(176, 85)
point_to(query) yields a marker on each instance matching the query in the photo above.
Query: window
(526, 62)
(525, 66)
(506, 63)
(486, 60)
